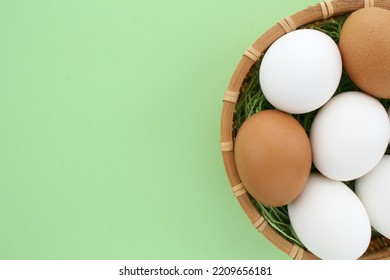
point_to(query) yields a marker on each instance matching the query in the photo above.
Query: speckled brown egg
(365, 50)
(273, 157)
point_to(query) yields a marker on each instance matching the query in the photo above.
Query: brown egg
(365, 50)
(273, 157)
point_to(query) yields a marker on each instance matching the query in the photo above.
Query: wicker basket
(379, 247)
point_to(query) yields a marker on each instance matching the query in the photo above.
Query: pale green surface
(109, 120)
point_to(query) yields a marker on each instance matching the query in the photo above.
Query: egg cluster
(348, 138)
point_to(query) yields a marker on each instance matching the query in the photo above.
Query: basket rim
(311, 14)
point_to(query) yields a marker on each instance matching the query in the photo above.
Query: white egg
(349, 136)
(330, 220)
(373, 189)
(300, 71)
(388, 113)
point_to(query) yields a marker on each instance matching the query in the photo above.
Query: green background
(109, 121)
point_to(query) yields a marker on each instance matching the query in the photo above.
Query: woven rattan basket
(379, 247)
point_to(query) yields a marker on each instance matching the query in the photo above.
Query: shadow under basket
(379, 248)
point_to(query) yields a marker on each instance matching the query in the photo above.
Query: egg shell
(300, 71)
(388, 113)
(373, 189)
(365, 49)
(349, 136)
(273, 157)
(330, 220)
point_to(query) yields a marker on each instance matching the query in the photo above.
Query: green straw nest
(252, 100)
